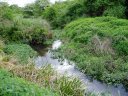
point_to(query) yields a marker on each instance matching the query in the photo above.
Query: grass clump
(69, 87)
(12, 86)
(22, 52)
(47, 78)
(102, 44)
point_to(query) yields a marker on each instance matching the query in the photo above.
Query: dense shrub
(84, 30)
(56, 14)
(35, 9)
(13, 86)
(30, 30)
(102, 44)
(6, 12)
(122, 47)
(6, 16)
(13, 27)
(22, 52)
(62, 13)
(25, 30)
(106, 7)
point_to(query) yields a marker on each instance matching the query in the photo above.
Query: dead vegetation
(46, 77)
(103, 46)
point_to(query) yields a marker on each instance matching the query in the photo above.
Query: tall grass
(14, 86)
(46, 77)
(69, 87)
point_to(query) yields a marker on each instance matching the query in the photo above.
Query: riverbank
(99, 47)
(18, 60)
(65, 67)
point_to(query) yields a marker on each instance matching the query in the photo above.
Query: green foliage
(29, 11)
(47, 77)
(64, 12)
(83, 30)
(115, 11)
(35, 9)
(102, 44)
(16, 9)
(6, 12)
(50, 14)
(22, 52)
(29, 30)
(24, 30)
(122, 47)
(17, 29)
(106, 7)
(13, 27)
(55, 14)
(1, 45)
(69, 87)
(12, 86)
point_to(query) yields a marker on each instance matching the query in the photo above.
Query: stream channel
(67, 67)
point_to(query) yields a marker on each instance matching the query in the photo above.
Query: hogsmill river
(68, 68)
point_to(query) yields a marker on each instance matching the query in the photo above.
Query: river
(68, 68)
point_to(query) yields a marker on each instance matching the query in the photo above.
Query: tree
(16, 9)
(5, 11)
(40, 5)
(36, 9)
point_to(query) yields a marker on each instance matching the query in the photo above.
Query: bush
(13, 27)
(12, 86)
(97, 29)
(122, 47)
(115, 11)
(22, 52)
(64, 12)
(25, 30)
(102, 44)
(6, 12)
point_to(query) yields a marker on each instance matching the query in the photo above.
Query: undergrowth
(11, 85)
(99, 47)
(45, 77)
(22, 52)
